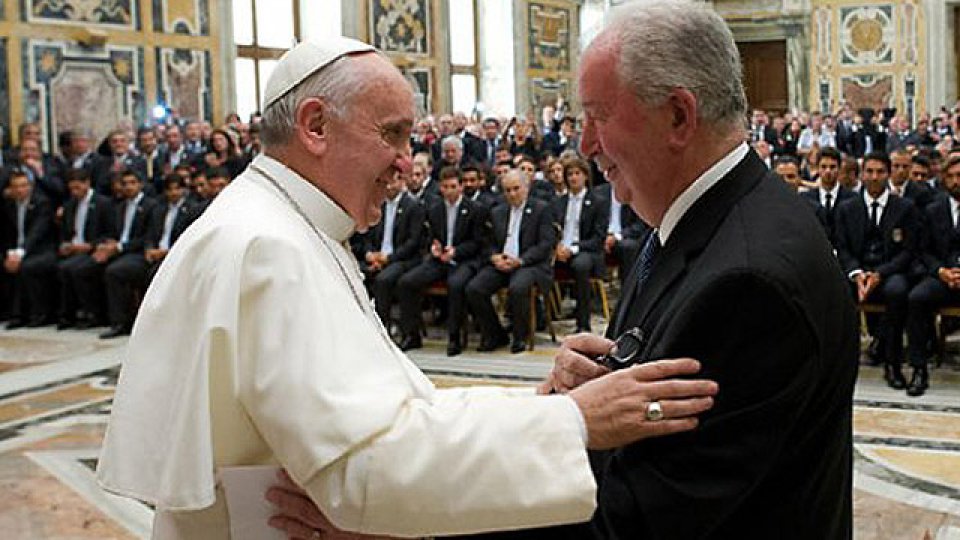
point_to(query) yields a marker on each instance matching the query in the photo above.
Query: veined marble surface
(56, 390)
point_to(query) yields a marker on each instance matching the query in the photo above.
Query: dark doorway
(765, 74)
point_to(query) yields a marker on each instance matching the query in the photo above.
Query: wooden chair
(439, 289)
(549, 312)
(562, 276)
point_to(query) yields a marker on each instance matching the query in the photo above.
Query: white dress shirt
(511, 245)
(389, 222)
(80, 220)
(571, 223)
(696, 190)
(451, 215)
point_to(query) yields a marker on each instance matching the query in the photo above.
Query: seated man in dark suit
(88, 220)
(43, 171)
(877, 239)
(455, 226)
(519, 252)
(393, 246)
(582, 224)
(900, 184)
(416, 187)
(30, 247)
(120, 159)
(127, 269)
(170, 218)
(830, 193)
(941, 285)
(475, 186)
(624, 229)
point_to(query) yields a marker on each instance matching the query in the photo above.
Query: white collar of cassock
(323, 213)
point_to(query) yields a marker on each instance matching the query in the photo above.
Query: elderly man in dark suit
(771, 320)
(30, 247)
(88, 220)
(582, 224)
(877, 239)
(393, 246)
(454, 239)
(120, 159)
(520, 252)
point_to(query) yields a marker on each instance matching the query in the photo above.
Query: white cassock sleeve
(373, 443)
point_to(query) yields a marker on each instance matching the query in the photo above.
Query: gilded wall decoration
(191, 18)
(549, 37)
(868, 91)
(867, 35)
(183, 79)
(544, 92)
(824, 46)
(400, 26)
(114, 13)
(67, 87)
(908, 35)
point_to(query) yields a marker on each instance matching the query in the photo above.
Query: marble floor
(56, 390)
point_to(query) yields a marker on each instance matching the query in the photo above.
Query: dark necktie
(647, 256)
(874, 212)
(829, 202)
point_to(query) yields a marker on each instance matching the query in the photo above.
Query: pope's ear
(311, 125)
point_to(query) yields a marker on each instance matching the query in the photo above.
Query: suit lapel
(693, 232)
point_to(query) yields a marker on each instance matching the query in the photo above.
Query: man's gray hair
(667, 44)
(337, 84)
(452, 140)
(524, 180)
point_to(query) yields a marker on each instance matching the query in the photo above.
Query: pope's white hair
(337, 84)
(667, 44)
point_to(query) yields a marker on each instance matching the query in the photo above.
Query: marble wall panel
(421, 79)
(111, 13)
(549, 37)
(400, 26)
(66, 86)
(183, 80)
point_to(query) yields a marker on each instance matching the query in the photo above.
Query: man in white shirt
(256, 344)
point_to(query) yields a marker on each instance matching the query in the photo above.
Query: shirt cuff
(581, 423)
(853, 275)
(574, 249)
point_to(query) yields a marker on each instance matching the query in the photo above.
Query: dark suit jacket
(100, 224)
(899, 226)
(593, 230)
(746, 284)
(51, 184)
(102, 171)
(936, 248)
(407, 231)
(467, 234)
(141, 220)
(828, 219)
(920, 193)
(185, 217)
(538, 237)
(40, 232)
(631, 226)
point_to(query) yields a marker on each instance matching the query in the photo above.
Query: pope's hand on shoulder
(614, 404)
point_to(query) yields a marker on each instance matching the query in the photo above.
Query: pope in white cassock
(256, 344)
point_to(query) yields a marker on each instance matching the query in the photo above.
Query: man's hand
(609, 243)
(436, 249)
(299, 517)
(873, 280)
(563, 253)
(614, 406)
(154, 255)
(950, 277)
(449, 253)
(574, 365)
(66, 249)
(12, 263)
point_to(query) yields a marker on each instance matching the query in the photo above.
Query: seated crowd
(85, 230)
(488, 206)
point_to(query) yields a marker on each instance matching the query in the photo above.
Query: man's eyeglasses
(625, 351)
